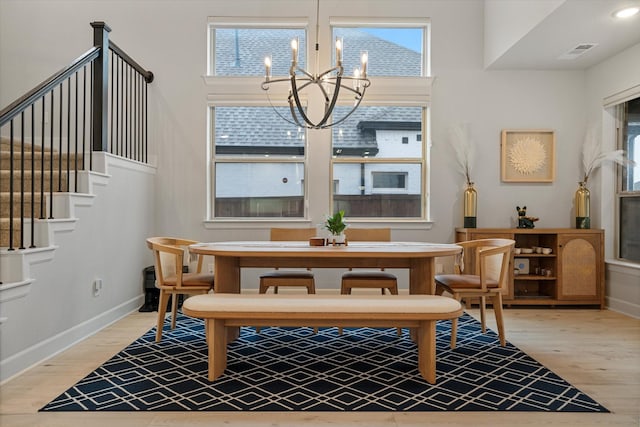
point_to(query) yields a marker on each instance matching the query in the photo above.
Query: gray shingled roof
(269, 133)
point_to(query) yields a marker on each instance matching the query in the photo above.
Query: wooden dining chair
(376, 279)
(484, 272)
(169, 255)
(371, 279)
(298, 278)
(278, 277)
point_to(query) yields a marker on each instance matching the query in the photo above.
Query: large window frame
(244, 91)
(625, 195)
(400, 91)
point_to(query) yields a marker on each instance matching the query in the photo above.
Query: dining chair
(371, 279)
(483, 272)
(278, 277)
(377, 279)
(169, 255)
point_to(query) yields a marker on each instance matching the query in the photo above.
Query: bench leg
(217, 343)
(427, 350)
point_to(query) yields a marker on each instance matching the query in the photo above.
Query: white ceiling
(572, 23)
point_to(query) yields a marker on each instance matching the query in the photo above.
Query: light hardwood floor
(596, 351)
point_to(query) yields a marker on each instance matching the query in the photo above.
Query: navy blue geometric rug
(293, 369)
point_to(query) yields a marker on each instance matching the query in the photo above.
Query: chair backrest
(169, 257)
(283, 234)
(491, 259)
(368, 234)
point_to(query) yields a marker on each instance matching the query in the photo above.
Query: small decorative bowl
(546, 251)
(527, 250)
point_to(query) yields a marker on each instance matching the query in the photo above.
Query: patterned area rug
(293, 369)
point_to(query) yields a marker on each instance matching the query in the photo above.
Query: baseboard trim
(623, 307)
(35, 355)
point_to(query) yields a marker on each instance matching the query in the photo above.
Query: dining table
(417, 257)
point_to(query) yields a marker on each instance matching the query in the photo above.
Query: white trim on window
(622, 96)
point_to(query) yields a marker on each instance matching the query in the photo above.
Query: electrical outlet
(97, 287)
(439, 268)
(210, 268)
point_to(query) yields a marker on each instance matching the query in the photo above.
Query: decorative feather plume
(593, 156)
(463, 149)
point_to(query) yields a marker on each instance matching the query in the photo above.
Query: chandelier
(329, 83)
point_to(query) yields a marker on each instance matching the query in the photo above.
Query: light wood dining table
(417, 257)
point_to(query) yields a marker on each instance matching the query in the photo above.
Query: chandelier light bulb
(364, 58)
(294, 51)
(356, 79)
(339, 47)
(267, 67)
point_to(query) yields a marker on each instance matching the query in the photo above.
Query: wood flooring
(596, 351)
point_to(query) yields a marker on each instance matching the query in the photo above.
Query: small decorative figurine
(525, 221)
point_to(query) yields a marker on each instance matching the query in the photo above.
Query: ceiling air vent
(577, 51)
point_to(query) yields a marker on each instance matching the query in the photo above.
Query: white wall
(613, 76)
(506, 22)
(106, 243)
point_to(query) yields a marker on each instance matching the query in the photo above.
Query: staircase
(53, 179)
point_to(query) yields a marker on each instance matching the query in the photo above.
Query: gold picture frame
(528, 156)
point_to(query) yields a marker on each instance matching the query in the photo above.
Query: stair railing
(98, 103)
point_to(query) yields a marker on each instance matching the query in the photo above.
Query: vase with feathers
(592, 158)
(464, 151)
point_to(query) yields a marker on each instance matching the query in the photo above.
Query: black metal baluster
(91, 122)
(121, 118)
(140, 86)
(33, 175)
(84, 115)
(111, 87)
(22, 174)
(11, 177)
(68, 177)
(126, 115)
(59, 144)
(135, 117)
(42, 159)
(146, 124)
(75, 154)
(134, 113)
(51, 158)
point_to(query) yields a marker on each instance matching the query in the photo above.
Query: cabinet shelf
(532, 296)
(521, 255)
(576, 261)
(533, 277)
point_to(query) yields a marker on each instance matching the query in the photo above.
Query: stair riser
(4, 234)
(19, 184)
(5, 206)
(5, 161)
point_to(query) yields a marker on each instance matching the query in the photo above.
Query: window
(389, 180)
(240, 51)
(392, 51)
(629, 182)
(259, 164)
(378, 177)
(374, 165)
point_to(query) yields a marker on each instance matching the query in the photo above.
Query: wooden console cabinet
(573, 271)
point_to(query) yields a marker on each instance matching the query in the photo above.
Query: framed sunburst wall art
(528, 156)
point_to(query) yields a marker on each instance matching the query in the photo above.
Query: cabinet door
(579, 267)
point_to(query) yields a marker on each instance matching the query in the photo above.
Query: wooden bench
(223, 311)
